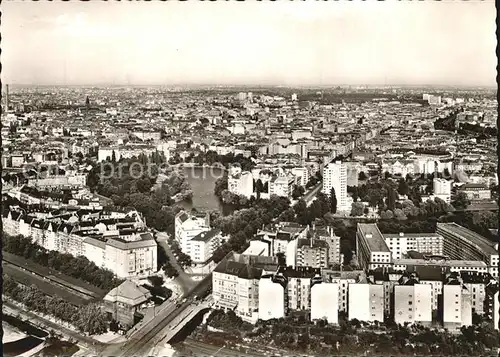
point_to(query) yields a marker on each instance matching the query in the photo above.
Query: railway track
(54, 280)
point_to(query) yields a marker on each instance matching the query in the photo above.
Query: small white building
(272, 297)
(457, 307)
(412, 304)
(324, 302)
(366, 302)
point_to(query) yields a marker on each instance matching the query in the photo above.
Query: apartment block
(366, 302)
(335, 175)
(324, 302)
(240, 183)
(425, 243)
(333, 241)
(311, 253)
(272, 297)
(371, 249)
(299, 287)
(456, 307)
(462, 243)
(412, 304)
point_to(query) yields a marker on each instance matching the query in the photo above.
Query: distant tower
(87, 102)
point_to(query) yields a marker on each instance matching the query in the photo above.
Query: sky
(249, 43)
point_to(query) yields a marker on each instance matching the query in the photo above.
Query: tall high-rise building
(335, 175)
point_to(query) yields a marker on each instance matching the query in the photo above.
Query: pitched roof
(129, 293)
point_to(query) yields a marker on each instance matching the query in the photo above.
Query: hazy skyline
(253, 43)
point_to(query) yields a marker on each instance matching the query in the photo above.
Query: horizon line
(344, 85)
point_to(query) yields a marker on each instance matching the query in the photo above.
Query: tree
(113, 156)
(362, 176)
(357, 209)
(403, 188)
(298, 191)
(333, 201)
(387, 214)
(461, 201)
(391, 198)
(399, 214)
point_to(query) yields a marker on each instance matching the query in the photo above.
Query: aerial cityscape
(249, 187)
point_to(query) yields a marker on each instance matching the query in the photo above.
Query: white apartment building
(302, 175)
(335, 175)
(272, 297)
(442, 189)
(343, 279)
(240, 184)
(462, 243)
(412, 304)
(126, 259)
(457, 307)
(371, 249)
(496, 312)
(282, 186)
(235, 286)
(324, 302)
(366, 302)
(425, 243)
(203, 245)
(187, 227)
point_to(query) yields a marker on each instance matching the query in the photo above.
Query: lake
(202, 181)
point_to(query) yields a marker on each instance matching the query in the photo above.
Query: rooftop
(466, 234)
(371, 234)
(443, 262)
(206, 236)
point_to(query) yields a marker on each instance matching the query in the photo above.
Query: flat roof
(450, 263)
(376, 241)
(411, 235)
(463, 233)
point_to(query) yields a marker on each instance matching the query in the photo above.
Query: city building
(282, 186)
(412, 304)
(310, 253)
(335, 176)
(496, 311)
(202, 246)
(456, 307)
(462, 243)
(302, 175)
(425, 243)
(371, 249)
(343, 279)
(443, 264)
(476, 191)
(324, 302)
(235, 283)
(326, 234)
(299, 287)
(131, 257)
(188, 226)
(240, 183)
(442, 189)
(366, 302)
(124, 302)
(272, 296)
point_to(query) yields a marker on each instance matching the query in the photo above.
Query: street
(183, 279)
